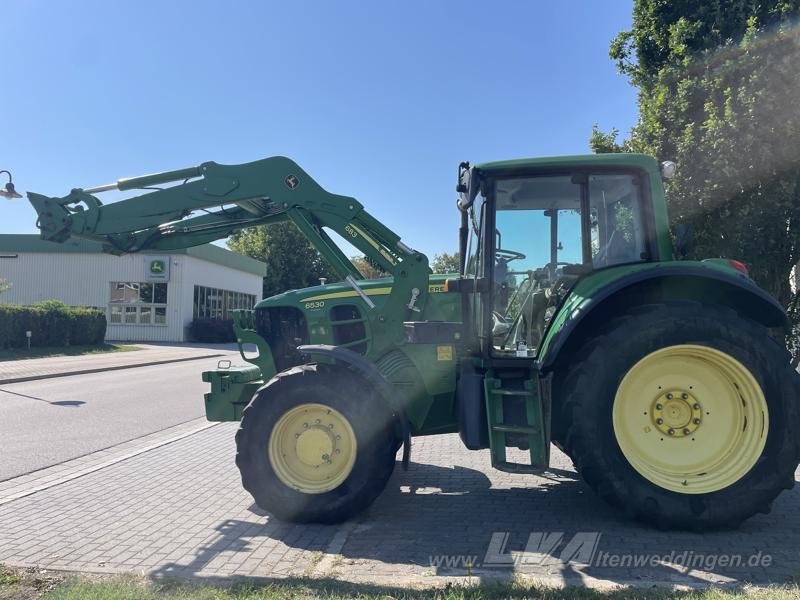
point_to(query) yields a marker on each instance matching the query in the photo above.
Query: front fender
(600, 293)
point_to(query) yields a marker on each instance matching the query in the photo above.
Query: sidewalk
(13, 371)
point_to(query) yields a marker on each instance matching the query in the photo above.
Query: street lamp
(9, 191)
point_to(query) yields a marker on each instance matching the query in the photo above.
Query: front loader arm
(214, 201)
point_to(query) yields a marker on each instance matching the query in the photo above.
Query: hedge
(51, 323)
(212, 330)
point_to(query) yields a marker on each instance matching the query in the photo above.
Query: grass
(23, 353)
(32, 584)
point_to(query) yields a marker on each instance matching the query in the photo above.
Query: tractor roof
(641, 161)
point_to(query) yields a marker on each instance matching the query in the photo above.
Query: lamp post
(8, 191)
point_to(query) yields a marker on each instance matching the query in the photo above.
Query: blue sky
(377, 100)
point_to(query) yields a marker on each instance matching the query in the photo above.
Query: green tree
(446, 263)
(292, 262)
(604, 143)
(366, 268)
(4, 285)
(718, 87)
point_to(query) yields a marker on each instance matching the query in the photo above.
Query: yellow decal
(371, 242)
(444, 353)
(382, 291)
(349, 294)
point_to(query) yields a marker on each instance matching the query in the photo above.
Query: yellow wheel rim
(312, 448)
(690, 419)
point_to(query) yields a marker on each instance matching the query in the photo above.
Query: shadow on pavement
(73, 403)
(434, 520)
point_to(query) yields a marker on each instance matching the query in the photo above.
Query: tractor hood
(334, 291)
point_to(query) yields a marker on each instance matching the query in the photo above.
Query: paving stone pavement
(178, 509)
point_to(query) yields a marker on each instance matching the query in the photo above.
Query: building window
(213, 303)
(138, 303)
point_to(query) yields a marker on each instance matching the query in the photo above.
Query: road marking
(43, 479)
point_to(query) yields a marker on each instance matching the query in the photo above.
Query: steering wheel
(508, 255)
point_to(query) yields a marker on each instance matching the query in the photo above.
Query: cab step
(514, 410)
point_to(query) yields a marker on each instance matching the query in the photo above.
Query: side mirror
(462, 186)
(684, 240)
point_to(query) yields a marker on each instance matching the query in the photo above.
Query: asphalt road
(48, 421)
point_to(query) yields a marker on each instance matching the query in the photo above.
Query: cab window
(540, 250)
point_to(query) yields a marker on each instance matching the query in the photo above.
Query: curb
(113, 368)
(409, 582)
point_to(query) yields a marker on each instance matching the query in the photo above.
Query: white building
(146, 297)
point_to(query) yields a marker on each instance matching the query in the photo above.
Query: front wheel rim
(312, 448)
(690, 419)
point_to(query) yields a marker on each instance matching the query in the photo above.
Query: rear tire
(637, 446)
(315, 444)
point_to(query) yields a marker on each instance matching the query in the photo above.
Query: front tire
(315, 444)
(683, 415)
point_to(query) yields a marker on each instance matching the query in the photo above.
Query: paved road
(49, 421)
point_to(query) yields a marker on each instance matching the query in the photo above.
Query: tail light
(739, 266)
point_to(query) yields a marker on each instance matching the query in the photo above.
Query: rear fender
(592, 302)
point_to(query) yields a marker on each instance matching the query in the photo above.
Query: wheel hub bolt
(696, 421)
(684, 395)
(671, 431)
(687, 431)
(659, 406)
(660, 421)
(696, 406)
(669, 395)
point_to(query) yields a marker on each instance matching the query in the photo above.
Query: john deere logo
(291, 181)
(157, 267)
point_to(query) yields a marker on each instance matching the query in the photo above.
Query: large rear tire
(315, 444)
(683, 415)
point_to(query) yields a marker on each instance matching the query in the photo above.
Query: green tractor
(570, 322)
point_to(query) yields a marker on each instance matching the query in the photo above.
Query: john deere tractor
(570, 322)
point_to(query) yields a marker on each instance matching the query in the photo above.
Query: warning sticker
(444, 353)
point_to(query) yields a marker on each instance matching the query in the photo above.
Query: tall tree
(292, 262)
(446, 263)
(718, 90)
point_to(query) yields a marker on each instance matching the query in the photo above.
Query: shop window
(138, 303)
(213, 303)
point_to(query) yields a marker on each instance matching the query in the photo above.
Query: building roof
(15, 243)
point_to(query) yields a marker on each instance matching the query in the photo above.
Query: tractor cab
(530, 230)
